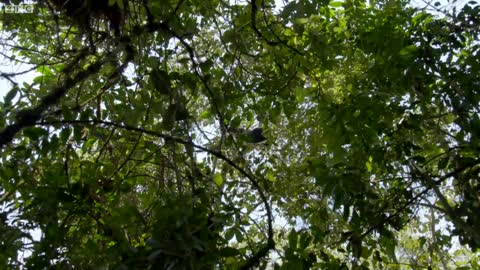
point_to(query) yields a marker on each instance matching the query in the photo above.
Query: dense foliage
(211, 134)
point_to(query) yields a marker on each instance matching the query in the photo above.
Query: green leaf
(336, 4)
(168, 121)
(218, 178)
(443, 162)
(206, 114)
(239, 235)
(229, 252)
(160, 81)
(206, 66)
(411, 49)
(229, 234)
(35, 132)
(65, 134)
(120, 4)
(302, 20)
(368, 164)
(10, 96)
(305, 240)
(270, 176)
(292, 239)
(45, 70)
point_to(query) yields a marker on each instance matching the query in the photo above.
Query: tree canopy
(212, 134)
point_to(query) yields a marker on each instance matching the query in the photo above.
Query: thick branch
(27, 117)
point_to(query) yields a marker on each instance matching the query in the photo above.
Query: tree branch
(27, 117)
(270, 242)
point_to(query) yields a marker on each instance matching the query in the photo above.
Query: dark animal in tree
(83, 11)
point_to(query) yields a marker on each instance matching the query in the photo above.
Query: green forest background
(215, 134)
